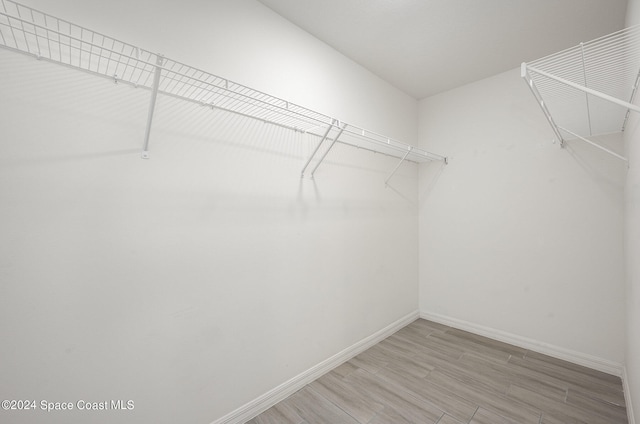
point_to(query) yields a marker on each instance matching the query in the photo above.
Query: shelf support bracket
(152, 105)
(633, 95)
(398, 165)
(596, 145)
(324, 155)
(586, 96)
(524, 73)
(324, 137)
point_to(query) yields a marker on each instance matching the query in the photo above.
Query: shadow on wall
(45, 106)
(429, 175)
(187, 122)
(400, 194)
(67, 158)
(607, 171)
(73, 118)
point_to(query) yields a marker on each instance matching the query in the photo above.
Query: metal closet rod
(32, 32)
(587, 90)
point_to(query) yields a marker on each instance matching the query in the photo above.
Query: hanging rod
(590, 87)
(38, 34)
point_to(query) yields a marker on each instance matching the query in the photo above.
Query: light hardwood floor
(430, 373)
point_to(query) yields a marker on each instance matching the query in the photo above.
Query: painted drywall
(516, 234)
(632, 245)
(198, 280)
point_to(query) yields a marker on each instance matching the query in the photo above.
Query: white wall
(518, 236)
(632, 253)
(198, 280)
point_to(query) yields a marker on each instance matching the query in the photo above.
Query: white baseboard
(267, 400)
(569, 355)
(627, 396)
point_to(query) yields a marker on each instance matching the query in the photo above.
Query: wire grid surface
(41, 35)
(609, 64)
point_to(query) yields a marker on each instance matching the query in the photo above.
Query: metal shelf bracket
(324, 137)
(152, 104)
(398, 165)
(324, 155)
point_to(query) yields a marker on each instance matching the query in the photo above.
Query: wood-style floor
(430, 373)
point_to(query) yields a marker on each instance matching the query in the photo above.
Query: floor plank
(502, 405)
(446, 400)
(504, 347)
(433, 374)
(278, 414)
(316, 409)
(411, 408)
(568, 413)
(508, 374)
(447, 419)
(346, 397)
(482, 416)
(614, 413)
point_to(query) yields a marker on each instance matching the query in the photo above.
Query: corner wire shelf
(598, 79)
(29, 31)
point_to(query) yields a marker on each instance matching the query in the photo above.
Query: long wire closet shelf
(589, 89)
(38, 34)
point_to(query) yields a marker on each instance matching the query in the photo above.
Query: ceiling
(424, 47)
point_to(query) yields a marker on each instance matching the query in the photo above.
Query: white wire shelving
(589, 89)
(38, 34)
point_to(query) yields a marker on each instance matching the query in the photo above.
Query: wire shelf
(588, 89)
(29, 31)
